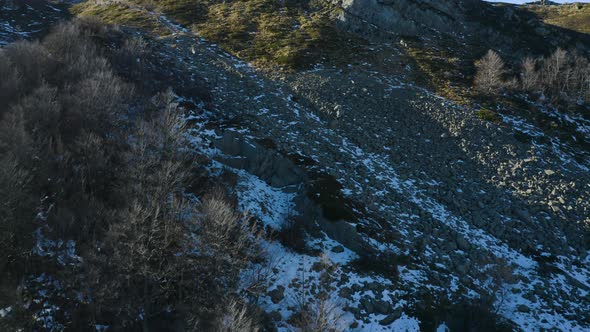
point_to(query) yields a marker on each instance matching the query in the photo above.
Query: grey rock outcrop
(403, 17)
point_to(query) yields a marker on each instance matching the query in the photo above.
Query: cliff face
(403, 17)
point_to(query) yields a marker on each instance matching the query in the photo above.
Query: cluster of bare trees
(115, 182)
(165, 251)
(88, 156)
(562, 77)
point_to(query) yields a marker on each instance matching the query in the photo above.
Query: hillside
(292, 166)
(573, 17)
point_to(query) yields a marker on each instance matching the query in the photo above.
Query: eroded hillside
(387, 187)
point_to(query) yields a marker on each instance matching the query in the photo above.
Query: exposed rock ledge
(403, 17)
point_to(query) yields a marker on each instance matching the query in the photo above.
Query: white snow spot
(405, 324)
(5, 311)
(443, 328)
(271, 205)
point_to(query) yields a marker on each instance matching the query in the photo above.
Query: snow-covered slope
(439, 212)
(435, 193)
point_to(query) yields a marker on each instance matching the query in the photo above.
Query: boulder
(523, 308)
(391, 318)
(382, 307)
(367, 304)
(277, 294)
(462, 243)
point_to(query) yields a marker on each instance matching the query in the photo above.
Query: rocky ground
(442, 206)
(461, 199)
(28, 19)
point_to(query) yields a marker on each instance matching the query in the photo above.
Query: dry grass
(574, 17)
(440, 67)
(294, 36)
(290, 34)
(119, 13)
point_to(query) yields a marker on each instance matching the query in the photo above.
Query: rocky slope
(407, 17)
(428, 212)
(28, 19)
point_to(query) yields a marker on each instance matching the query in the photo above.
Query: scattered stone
(338, 249)
(522, 214)
(382, 307)
(275, 316)
(391, 318)
(462, 243)
(530, 296)
(277, 294)
(425, 164)
(367, 305)
(523, 308)
(345, 292)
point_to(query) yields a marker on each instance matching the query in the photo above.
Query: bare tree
(41, 111)
(322, 315)
(14, 186)
(147, 245)
(490, 70)
(581, 78)
(10, 82)
(236, 318)
(319, 312)
(563, 77)
(553, 68)
(529, 75)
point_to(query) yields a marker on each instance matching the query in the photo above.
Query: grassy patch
(119, 14)
(442, 67)
(185, 12)
(487, 115)
(294, 35)
(291, 34)
(574, 17)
